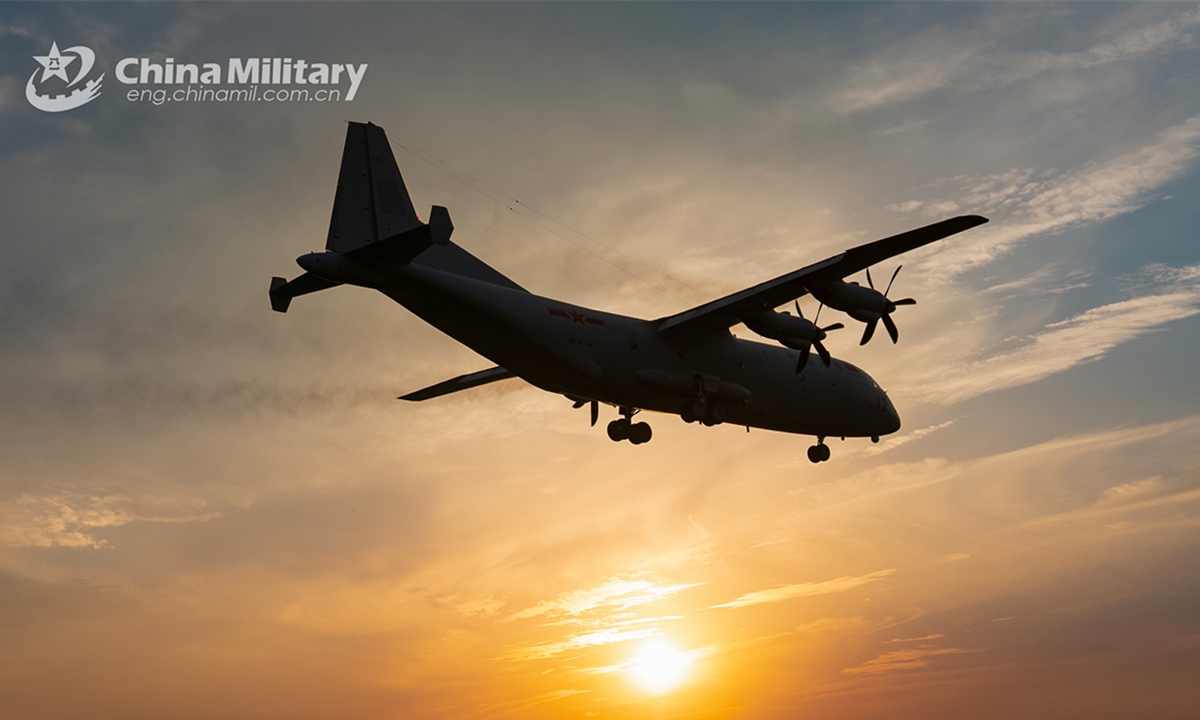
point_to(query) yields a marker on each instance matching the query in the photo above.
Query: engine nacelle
(861, 303)
(790, 330)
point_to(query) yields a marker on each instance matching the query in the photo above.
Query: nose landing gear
(625, 429)
(820, 452)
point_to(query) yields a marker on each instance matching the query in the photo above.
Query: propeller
(888, 324)
(802, 361)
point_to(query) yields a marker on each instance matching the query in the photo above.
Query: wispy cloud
(545, 651)
(967, 63)
(1044, 281)
(902, 660)
(895, 442)
(1026, 202)
(616, 594)
(1065, 344)
(788, 592)
(69, 519)
(916, 639)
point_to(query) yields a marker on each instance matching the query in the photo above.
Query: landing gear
(710, 411)
(820, 452)
(693, 409)
(715, 414)
(625, 429)
(618, 430)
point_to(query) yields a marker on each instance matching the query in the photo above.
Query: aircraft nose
(891, 417)
(885, 420)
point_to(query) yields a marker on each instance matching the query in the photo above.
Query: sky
(210, 510)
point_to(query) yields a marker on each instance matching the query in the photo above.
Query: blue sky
(202, 499)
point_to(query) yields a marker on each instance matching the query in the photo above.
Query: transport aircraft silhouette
(688, 364)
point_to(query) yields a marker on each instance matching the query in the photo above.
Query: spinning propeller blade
(868, 332)
(822, 352)
(889, 287)
(888, 323)
(802, 362)
(891, 328)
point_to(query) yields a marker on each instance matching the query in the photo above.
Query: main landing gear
(708, 410)
(820, 452)
(624, 428)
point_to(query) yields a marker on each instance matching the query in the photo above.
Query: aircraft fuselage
(624, 361)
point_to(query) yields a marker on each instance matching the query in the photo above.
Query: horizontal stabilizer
(462, 382)
(283, 291)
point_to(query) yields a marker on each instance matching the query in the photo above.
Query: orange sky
(208, 510)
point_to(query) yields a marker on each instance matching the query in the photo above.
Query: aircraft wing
(726, 312)
(462, 382)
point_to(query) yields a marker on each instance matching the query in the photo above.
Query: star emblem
(577, 317)
(55, 63)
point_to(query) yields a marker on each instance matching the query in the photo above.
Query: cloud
(616, 593)
(788, 592)
(608, 636)
(1125, 491)
(68, 519)
(967, 63)
(1062, 345)
(1026, 202)
(486, 607)
(1043, 281)
(904, 127)
(916, 639)
(895, 442)
(902, 660)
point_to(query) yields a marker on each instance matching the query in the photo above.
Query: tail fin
(372, 202)
(374, 222)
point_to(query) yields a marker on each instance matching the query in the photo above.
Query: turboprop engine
(797, 333)
(865, 304)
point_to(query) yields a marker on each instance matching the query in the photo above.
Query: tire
(825, 453)
(692, 410)
(716, 413)
(618, 430)
(814, 454)
(640, 433)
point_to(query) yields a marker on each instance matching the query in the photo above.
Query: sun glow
(659, 667)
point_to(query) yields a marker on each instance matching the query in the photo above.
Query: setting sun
(659, 667)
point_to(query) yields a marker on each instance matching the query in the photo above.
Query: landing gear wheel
(692, 410)
(818, 453)
(618, 430)
(715, 414)
(640, 433)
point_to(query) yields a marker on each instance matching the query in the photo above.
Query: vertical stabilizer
(372, 202)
